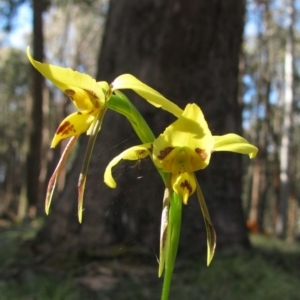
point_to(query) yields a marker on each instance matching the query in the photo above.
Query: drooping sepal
(59, 167)
(164, 231)
(81, 188)
(210, 231)
(93, 133)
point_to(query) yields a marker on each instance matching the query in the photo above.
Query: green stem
(121, 104)
(172, 242)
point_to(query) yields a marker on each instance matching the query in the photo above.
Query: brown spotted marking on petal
(65, 128)
(202, 153)
(70, 93)
(79, 113)
(151, 148)
(140, 155)
(91, 93)
(90, 112)
(69, 129)
(94, 96)
(186, 185)
(163, 153)
(62, 127)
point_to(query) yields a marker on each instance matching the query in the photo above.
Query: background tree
(189, 51)
(8, 9)
(81, 26)
(272, 111)
(285, 149)
(35, 159)
(13, 142)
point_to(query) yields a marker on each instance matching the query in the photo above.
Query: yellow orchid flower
(92, 98)
(89, 98)
(185, 147)
(86, 94)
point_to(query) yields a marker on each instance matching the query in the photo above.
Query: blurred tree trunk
(263, 132)
(34, 156)
(189, 51)
(285, 149)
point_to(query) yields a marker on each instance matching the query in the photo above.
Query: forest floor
(271, 270)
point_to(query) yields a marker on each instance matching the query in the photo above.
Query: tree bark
(34, 156)
(189, 51)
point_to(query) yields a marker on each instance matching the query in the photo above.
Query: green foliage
(261, 274)
(14, 109)
(268, 272)
(18, 280)
(40, 288)
(234, 278)
(14, 89)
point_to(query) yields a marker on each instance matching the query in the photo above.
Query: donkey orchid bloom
(185, 147)
(91, 98)
(86, 94)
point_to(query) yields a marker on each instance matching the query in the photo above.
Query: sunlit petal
(234, 143)
(133, 153)
(74, 124)
(103, 84)
(191, 140)
(184, 185)
(127, 81)
(82, 89)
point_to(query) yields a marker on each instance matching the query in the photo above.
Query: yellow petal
(184, 185)
(127, 81)
(103, 84)
(133, 153)
(234, 143)
(74, 124)
(82, 89)
(187, 143)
